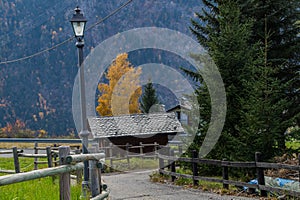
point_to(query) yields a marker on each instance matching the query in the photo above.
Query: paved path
(136, 186)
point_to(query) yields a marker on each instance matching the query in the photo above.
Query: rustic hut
(135, 129)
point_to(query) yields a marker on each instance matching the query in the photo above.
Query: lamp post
(78, 24)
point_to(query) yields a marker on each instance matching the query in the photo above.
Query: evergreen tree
(149, 98)
(275, 30)
(262, 108)
(229, 48)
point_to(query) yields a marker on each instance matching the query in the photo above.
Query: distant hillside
(38, 91)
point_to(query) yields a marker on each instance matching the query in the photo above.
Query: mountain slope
(38, 91)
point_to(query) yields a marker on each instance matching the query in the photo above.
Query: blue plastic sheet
(279, 182)
(282, 182)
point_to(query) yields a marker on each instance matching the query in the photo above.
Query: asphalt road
(137, 186)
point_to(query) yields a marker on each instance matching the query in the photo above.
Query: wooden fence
(128, 151)
(257, 164)
(51, 153)
(76, 143)
(111, 151)
(124, 152)
(68, 163)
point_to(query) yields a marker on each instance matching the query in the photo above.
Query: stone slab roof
(131, 125)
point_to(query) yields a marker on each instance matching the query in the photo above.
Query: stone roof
(131, 125)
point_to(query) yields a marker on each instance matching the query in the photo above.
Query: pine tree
(229, 48)
(263, 94)
(262, 109)
(149, 98)
(121, 94)
(275, 23)
(276, 26)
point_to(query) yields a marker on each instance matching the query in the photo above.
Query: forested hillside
(38, 90)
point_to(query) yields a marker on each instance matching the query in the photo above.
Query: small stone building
(135, 129)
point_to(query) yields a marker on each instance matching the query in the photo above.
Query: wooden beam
(41, 173)
(27, 155)
(83, 157)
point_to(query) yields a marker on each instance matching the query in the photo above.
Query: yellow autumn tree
(121, 94)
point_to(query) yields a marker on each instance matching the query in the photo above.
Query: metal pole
(84, 133)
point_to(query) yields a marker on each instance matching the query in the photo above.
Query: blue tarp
(278, 182)
(282, 182)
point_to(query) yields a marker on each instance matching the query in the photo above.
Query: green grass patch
(134, 164)
(188, 182)
(39, 189)
(26, 164)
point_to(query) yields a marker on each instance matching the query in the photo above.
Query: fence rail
(41, 173)
(10, 151)
(98, 189)
(257, 164)
(129, 151)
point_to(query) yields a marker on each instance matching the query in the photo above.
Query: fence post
(36, 151)
(260, 174)
(127, 155)
(168, 149)
(225, 174)
(141, 153)
(65, 180)
(78, 172)
(173, 167)
(55, 156)
(111, 155)
(160, 163)
(96, 145)
(49, 156)
(49, 159)
(155, 150)
(16, 159)
(195, 167)
(94, 176)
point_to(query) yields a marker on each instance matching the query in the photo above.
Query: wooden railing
(257, 164)
(112, 152)
(68, 163)
(51, 153)
(129, 151)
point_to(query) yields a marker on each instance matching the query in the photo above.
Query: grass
(26, 164)
(202, 185)
(46, 188)
(208, 186)
(38, 189)
(187, 182)
(135, 163)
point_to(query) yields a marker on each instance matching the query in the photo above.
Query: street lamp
(78, 24)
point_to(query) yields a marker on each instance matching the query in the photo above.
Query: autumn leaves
(121, 94)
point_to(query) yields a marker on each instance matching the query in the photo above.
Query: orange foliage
(18, 130)
(121, 95)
